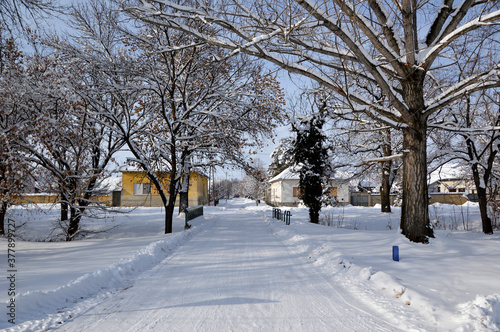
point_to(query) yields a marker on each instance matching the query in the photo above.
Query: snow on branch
(459, 129)
(364, 25)
(394, 41)
(371, 64)
(482, 81)
(427, 56)
(383, 159)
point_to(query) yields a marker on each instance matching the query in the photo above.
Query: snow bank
(37, 304)
(387, 285)
(482, 314)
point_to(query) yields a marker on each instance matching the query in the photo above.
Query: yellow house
(137, 190)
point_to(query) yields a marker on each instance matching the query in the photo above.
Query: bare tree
(457, 137)
(254, 184)
(60, 136)
(14, 165)
(174, 106)
(282, 157)
(15, 13)
(363, 145)
(366, 147)
(468, 129)
(383, 48)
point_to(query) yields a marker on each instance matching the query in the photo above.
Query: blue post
(395, 253)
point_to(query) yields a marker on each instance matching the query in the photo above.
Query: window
(296, 192)
(452, 190)
(333, 191)
(142, 188)
(461, 190)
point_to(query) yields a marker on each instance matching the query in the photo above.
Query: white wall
(287, 193)
(343, 194)
(282, 192)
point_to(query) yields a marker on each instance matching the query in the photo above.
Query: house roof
(449, 171)
(109, 184)
(139, 169)
(130, 168)
(291, 173)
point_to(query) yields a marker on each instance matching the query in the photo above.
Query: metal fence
(191, 213)
(282, 215)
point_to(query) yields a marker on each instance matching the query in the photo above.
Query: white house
(284, 189)
(451, 184)
(451, 178)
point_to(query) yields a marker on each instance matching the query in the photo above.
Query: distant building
(132, 188)
(107, 192)
(137, 190)
(451, 184)
(284, 189)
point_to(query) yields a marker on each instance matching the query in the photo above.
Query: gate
(360, 199)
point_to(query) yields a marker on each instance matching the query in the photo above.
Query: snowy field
(236, 261)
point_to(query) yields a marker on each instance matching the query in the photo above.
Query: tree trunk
(480, 185)
(483, 209)
(169, 213)
(169, 207)
(385, 189)
(3, 211)
(415, 224)
(64, 207)
(76, 217)
(483, 201)
(314, 215)
(74, 223)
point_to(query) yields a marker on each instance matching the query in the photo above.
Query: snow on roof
(137, 168)
(342, 175)
(448, 172)
(112, 183)
(130, 168)
(291, 173)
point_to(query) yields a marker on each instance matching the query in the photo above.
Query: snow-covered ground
(239, 269)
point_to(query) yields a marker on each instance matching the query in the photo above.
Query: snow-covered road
(233, 276)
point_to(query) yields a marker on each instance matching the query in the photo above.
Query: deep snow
(450, 284)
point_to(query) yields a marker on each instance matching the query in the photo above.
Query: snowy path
(233, 276)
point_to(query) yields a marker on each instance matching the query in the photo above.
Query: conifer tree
(310, 155)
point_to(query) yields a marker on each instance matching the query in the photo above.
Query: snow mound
(482, 314)
(469, 203)
(389, 284)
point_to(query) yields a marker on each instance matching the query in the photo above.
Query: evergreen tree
(310, 155)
